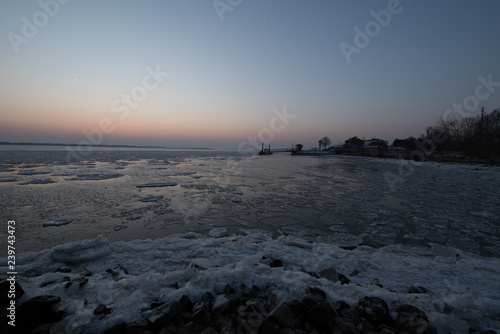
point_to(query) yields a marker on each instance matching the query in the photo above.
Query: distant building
(354, 142)
(375, 143)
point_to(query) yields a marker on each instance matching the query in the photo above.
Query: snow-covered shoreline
(457, 290)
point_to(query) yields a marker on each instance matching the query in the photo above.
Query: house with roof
(354, 142)
(375, 143)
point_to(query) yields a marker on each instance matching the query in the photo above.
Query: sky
(235, 73)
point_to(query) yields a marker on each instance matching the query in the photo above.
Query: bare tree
(325, 142)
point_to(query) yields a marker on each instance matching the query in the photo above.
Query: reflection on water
(343, 200)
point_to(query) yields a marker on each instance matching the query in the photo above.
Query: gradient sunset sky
(66, 65)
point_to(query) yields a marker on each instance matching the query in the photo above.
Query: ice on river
(456, 289)
(390, 226)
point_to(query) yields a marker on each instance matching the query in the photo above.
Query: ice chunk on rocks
(218, 232)
(81, 251)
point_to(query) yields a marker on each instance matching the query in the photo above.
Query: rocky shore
(190, 283)
(234, 310)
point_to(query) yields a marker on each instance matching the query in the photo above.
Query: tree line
(475, 135)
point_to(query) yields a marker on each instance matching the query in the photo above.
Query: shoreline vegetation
(454, 139)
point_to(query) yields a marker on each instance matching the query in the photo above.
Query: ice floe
(38, 181)
(58, 222)
(95, 177)
(156, 184)
(150, 198)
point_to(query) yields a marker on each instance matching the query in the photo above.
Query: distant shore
(104, 145)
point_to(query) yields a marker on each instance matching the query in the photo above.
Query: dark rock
(340, 305)
(117, 272)
(33, 272)
(63, 270)
(228, 290)
(310, 273)
(282, 316)
(353, 315)
(297, 307)
(42, 329)
(199, 305)
(118, 328)
(193, 327)
(384, 329)
(229, 324)
(269, 328)
(343, 279)
(5, 287)
(223, 303)
(320, 294)
(417, 289)
(81, 281)
(202, 317)
(113, 273)
(44, 284)
(255, 291)
(344, 326)
(320, 315)
(209, 330)
(366, 326)
(412, 320)
(329, 273)
(252, 314)
(208, 298)
(375, 310)
(137, 327)
(186, 303)
(36, 311)
(276, 263)
(84, 272)
(272, 262)
(240, 290)
(162, 314)
(313, 297)
(183, 318)
(102, 310)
